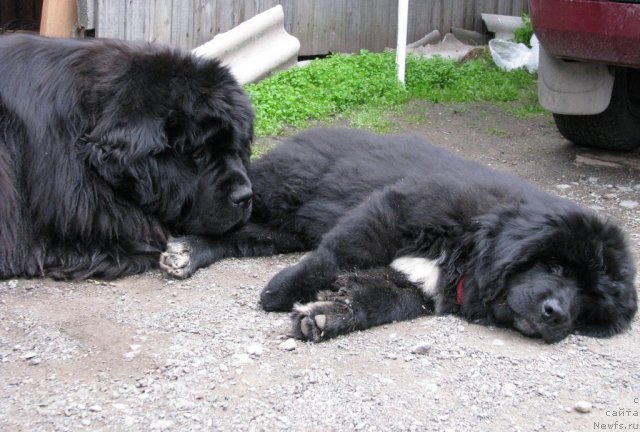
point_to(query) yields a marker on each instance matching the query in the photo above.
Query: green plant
(323, 88)
(523, 34)
(440, 80)
(365, 86)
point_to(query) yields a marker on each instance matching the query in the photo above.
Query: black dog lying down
(107, 148)
(399, 228)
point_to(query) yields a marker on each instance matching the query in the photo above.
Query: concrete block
(429, 39)
(470, 37)
(255, 48)
(448, 48)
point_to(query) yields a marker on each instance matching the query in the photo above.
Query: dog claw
(304, 327)
(320, 320)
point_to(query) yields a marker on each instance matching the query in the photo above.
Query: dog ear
(504, 241)
(111, 147)
(228, 119)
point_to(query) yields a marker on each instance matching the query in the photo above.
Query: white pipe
(401, 49)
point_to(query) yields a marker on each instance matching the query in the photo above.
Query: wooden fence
(322, 26)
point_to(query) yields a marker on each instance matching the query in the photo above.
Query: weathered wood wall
(321, 25)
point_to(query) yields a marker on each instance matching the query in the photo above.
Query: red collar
(460, 291)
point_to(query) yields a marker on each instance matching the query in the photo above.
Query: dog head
(554, 271)
(172, 134)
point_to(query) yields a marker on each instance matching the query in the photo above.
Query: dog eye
(199, 154)
(556, 269)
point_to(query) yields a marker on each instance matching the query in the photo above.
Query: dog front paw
(321, 320)
(299, 283)
(280, 292)
(176, 260)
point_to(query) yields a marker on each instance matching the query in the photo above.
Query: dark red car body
(589, 69)
(599, 31)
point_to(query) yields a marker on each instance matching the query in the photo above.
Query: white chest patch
(421, 271)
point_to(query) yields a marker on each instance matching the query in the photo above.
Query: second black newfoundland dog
(107, 148)
(400, 228)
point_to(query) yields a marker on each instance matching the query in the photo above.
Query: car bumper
(589, 30)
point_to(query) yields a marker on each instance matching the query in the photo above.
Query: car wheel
(618, 126)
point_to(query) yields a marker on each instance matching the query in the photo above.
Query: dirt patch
(152, 353)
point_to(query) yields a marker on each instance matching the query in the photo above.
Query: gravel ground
(151, 353)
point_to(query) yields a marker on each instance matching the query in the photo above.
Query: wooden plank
(519, 7)
(302, 26)
(137, 20)
(379, 25)
(110, 19)
(417, 23)
(446, 16)
(388, 18)
(181, 23)
(289, 8)
(162, 22)
(59, 18)
(323, 16)
(338, 25)
(463, 14)
(504, 7)
(352, 31)
(203, 19)
(224, 16)
(434, 15)
(149, 22)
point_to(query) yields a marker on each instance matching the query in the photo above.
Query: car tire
(618, 126)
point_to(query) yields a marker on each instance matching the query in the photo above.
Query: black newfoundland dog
(400, 228)
(107, 148)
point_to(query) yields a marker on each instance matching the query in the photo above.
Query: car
(589, 69)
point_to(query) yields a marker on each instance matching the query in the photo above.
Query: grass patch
(373, 118)
(440, 80)
(365, 85)
(324, 88)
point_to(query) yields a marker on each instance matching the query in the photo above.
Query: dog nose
(242, 197)
(552, 312)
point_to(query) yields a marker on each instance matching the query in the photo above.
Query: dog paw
(321, 320)
(282, 291)
(176, 260)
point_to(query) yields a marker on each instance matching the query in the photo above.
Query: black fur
(530, 261)
(107, 148)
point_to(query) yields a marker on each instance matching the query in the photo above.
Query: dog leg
(368, 236)
(184, 255)
(361, 300)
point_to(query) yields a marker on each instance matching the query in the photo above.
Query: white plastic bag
(510, 55)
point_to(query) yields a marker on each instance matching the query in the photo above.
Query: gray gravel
(152, 353)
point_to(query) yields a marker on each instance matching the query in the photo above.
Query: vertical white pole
(401, 49)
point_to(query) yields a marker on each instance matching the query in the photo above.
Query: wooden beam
(59, 18)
